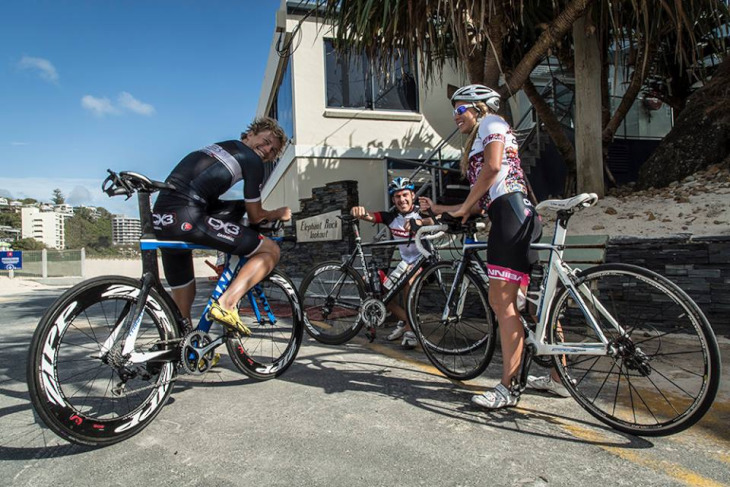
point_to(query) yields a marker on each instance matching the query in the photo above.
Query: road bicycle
(338, 301)
(449, 308)
(105, 355)
(630, 346)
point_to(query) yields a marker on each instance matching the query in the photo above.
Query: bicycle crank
(373, 312)
(195, 355)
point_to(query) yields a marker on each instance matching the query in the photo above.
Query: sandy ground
(698, 205)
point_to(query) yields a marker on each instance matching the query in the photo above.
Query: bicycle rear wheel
(459, 345)
(662, 369)
(332, 294)
(93, 398)
(276, 329)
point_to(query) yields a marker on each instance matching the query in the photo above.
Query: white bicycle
(630, 346)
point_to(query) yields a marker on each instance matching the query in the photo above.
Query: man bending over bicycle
(402, 194)
(194, 213)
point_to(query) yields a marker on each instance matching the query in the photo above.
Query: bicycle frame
(151, 278)
(402, 281)
(558, 270)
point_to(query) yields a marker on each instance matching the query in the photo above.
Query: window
(354, 82)
(281, 108)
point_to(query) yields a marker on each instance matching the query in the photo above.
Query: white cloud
(125, 103)
(98, 106)
(128, 102)
(43, 67)
(16, 144)
(80, 195)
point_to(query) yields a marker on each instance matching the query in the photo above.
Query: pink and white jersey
(510, 179)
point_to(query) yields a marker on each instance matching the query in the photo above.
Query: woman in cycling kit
(492, 165)
(194, 213)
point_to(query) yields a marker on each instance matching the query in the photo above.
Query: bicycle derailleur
(195, 355)
(633, 357)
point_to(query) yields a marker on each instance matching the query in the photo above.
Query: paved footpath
(360, 414)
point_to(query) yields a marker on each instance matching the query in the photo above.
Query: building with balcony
(44, 226)
(125, 230)
(349, 121)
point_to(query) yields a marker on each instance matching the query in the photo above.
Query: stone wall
(341, 195)
(699, 265)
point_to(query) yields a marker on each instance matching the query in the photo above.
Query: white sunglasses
(460, 110)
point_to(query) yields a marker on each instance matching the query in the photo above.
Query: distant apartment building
(125, 230)
(64, 208)
(93, 211)
(44, 226)
(3, 202)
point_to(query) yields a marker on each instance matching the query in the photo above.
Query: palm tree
(510, 38)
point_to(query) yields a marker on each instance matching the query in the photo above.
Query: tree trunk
(587, 117)
(700, 137)
(554, 129)
(561, 26)
(637, 80)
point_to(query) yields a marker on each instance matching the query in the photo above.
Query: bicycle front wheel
(662, 368)
(275, 321)
(458, 342)
(91, 397)
(332, 294)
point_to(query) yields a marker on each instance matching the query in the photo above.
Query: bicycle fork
(455, 300)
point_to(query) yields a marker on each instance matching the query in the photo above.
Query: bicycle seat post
(149, 257)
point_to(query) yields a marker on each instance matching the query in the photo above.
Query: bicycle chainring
(373, 312)
(192, 359)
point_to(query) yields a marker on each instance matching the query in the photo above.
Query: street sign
(11, 260)
(319, 228)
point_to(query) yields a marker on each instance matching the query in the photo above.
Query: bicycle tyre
(661, 374)
(462, 349)
(272, 347)
(322, 289)
(60, 370)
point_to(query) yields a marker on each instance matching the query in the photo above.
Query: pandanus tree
(500, 42)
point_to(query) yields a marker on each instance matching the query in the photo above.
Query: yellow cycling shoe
(228, 317)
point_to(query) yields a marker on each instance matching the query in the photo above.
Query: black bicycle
(338, 301)
(105, 355)
(448, 305)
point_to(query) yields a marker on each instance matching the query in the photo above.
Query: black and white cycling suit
(194, 213)
(396, 222)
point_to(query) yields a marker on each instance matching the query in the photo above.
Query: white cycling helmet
(399, 184)
(474, 93)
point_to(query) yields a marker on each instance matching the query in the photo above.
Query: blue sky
(128, 85)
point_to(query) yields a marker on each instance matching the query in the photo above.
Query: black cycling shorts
(217, 226)
(515, 225)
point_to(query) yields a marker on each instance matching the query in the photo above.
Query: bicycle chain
(151, 386)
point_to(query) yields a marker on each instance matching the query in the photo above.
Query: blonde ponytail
(464, 163)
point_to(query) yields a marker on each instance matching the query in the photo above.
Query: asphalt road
(359, 414)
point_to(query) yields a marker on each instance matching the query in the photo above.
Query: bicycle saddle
(584, 200)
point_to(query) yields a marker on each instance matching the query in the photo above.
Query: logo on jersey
(162, 219)
(225, 227)
(186, 227)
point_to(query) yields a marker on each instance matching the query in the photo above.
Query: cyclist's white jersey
(510, 179)
(396, 222)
